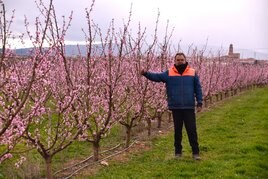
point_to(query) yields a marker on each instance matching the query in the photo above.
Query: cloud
(242, 22)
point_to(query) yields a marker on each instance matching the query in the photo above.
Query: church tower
(231, 50)
(231, 53)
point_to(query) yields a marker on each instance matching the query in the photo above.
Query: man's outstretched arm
(156, 77)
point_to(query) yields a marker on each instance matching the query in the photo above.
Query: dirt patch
(141, 143)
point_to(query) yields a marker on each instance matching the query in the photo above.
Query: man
(182, 87)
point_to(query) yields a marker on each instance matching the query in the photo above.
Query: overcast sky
(241, 22)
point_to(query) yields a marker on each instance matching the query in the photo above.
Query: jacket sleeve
(198, 90)
(157, 77)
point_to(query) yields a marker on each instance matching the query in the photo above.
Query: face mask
(180, 68)
(181, 65)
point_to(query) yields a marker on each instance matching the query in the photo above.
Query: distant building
(231, 53)
(236, 56)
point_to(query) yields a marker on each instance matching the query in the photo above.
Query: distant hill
(70, 50)
(244, 53)
(73, 50)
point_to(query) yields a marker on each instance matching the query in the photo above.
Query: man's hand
(199, 109)
(142, 72)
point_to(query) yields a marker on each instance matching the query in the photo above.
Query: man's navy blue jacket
(182, 89)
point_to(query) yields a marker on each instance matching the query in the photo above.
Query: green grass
(233, 139)
(34, 166)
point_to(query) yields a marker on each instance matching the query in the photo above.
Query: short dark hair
(180, 54)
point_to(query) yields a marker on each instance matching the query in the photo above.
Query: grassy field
(233, 139)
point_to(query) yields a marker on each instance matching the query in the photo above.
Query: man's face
(180, 60)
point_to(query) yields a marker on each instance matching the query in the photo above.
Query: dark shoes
(178, 156)
(196, 157)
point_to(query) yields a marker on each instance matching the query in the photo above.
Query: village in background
(236, 57)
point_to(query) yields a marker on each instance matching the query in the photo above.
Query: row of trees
(48, 100)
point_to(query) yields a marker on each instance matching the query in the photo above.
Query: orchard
(49, 100)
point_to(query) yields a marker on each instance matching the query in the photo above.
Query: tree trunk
(206, 102)
(128, 136)
(149, 123)
(49, 167)
(159, 119)
(96, 148)
(169, 117)
(210, 99)
(232, 92)
(226, 94)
